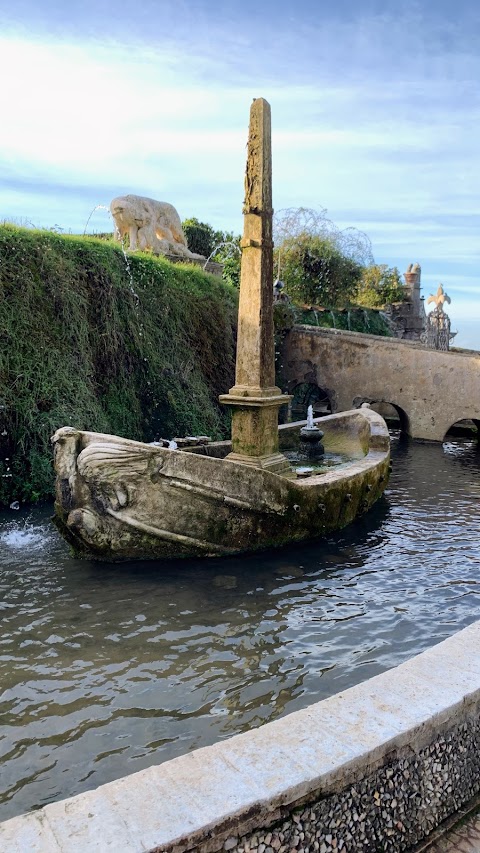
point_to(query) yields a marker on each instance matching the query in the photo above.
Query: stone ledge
(405, 719)
(326, 331)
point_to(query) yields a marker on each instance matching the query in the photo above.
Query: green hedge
(137, 347)
(366, 320)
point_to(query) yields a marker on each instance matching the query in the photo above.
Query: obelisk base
(255, 429)
(276, 463)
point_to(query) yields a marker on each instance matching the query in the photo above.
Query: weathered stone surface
(433, 389)
(408, 317)
(150, 224)
(463, 838)
(120, 499)
(255, 398)
(255, 367)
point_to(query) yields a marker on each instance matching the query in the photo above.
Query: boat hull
(118, 499)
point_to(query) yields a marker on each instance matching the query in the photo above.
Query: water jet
(310, 438)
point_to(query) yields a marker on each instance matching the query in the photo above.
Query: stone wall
(375, 768)
(390, 809)
(433, 389)
(407, 322)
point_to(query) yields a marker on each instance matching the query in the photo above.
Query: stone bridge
(431, 390)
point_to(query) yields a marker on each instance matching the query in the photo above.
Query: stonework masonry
(432, 389)
(409, 316)
(376, 768)
(388, 810)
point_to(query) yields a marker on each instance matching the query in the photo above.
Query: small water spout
(310, 438)
(97, 207)
(310, 424)
(128, 267)
(333, 319)
(122, 244)
(230, 243)
(348, 321)
(172, 445)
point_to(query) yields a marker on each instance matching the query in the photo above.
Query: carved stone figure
(439, 298)
(150, 224)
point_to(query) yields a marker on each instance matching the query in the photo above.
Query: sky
(375, 115)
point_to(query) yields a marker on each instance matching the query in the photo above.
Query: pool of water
(105, 670)
(302, 463)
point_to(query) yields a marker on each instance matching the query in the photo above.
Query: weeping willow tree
(319, 262)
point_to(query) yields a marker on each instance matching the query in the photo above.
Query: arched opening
(394, 416)
(307, 394)
(464, 428)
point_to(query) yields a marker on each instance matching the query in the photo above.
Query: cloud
(75, 105)
(375, 110)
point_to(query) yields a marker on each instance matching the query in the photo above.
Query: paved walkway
(462, 839)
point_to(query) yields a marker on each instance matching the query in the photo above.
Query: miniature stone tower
(414, 311)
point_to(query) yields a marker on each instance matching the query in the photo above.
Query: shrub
(201, 237)
(318, 262)
(140, 349)
(316, 271)
(380, 285)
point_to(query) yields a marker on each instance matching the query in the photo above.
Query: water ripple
(106, 670)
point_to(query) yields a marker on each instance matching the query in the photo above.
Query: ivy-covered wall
(134, 346)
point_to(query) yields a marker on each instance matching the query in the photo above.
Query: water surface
(105, 670)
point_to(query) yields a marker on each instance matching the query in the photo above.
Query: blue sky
(375, 113)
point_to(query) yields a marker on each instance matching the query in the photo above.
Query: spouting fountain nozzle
(310, 436)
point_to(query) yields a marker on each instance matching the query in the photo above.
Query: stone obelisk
(254, 398)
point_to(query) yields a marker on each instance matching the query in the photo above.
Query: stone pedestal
(255, 398)
(255, 430)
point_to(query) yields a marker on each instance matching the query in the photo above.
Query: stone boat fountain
(118, 499)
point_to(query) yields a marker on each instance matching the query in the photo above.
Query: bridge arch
(431, 389)
(393, 414)
(307, 394)
(463, 426)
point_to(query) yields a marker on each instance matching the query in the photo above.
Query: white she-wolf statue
(150, 224)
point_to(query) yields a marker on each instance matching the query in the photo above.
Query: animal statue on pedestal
(150, 225)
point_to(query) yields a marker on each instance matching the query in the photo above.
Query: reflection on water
(108, 669)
